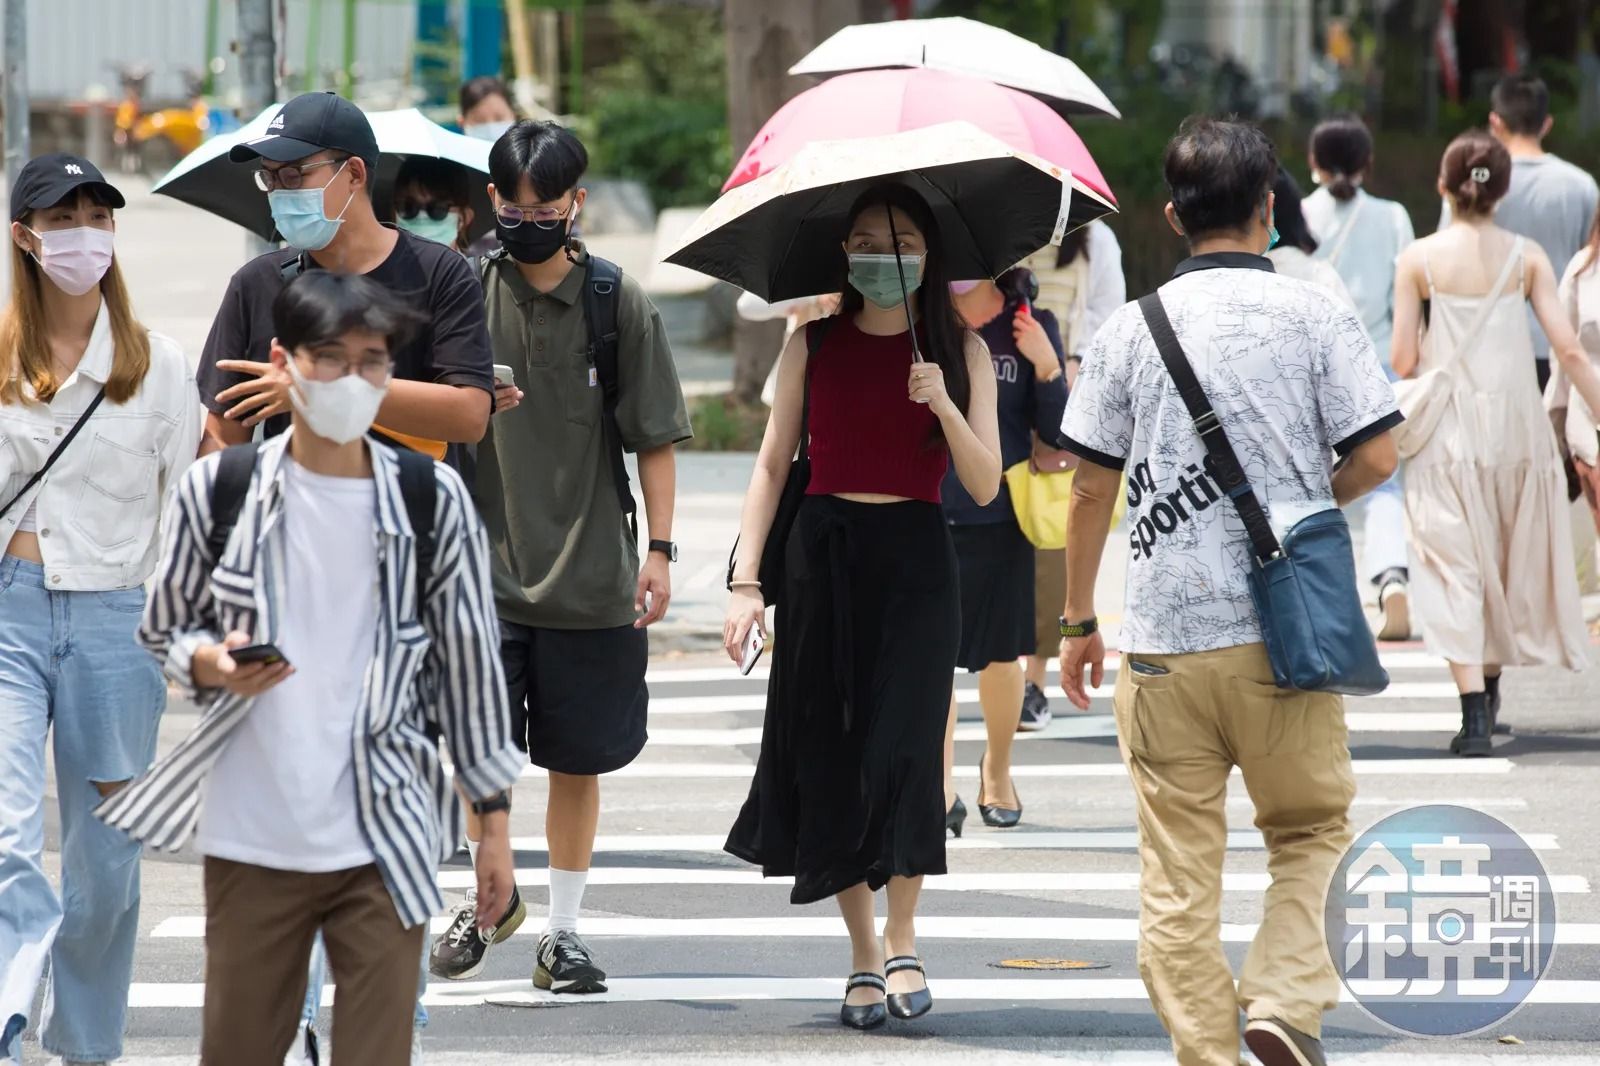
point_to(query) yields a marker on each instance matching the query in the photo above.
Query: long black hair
(941, 332)
(1287, 216)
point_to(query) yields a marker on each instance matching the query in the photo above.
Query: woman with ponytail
(1361, 236)
(1485, 496)
(110, 410)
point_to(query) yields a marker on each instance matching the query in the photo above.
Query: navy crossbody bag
(1304, 589)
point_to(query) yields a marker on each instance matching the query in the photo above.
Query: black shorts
(996, 566)
(578, 696)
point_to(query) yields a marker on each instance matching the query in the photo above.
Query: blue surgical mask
(300, 218)
(878, 277)
(487, 131)
(443, 230)
(1272, 237)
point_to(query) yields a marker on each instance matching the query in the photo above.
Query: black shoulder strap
(816, 333)
(228, 491)
(290, 269)
(50, 460)
(1225, 466)
(419, 486)
(602, 293)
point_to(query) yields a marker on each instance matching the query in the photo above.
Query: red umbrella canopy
(873, 103)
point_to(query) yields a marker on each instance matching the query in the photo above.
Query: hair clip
(1480, 175)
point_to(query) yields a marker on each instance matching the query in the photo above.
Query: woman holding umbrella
(848, 795)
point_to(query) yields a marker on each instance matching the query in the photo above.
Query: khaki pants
(1049, 592)
(1180, 734)
(259, 928)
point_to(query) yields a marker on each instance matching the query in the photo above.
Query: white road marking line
(1065, 727)
(757, 701)
(1440, 766)
(1030, 881)
(672, 675)
(1068, 989)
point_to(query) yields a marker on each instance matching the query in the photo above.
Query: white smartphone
(503, 375)
(754, 643)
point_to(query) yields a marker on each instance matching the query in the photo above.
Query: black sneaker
(565, 965)
(459, 952)
(1035, 709)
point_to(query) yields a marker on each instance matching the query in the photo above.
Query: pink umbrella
(872, 103)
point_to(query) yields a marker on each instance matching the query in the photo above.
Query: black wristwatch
(500, 801)
(667, 548)
(1074, 630)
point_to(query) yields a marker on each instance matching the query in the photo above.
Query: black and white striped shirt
(443, 670)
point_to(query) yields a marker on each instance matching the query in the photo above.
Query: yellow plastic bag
(1041, 502)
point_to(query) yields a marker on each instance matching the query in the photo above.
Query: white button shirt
(98, 509)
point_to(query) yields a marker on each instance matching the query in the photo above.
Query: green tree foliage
(659, 114)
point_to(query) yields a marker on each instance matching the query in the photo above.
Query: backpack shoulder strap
(816, 332)
(419, 488)
(235, 466)
(602, 294)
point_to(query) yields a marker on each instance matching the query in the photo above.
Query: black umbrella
(779, 235)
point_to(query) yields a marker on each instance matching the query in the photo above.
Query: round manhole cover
(1049, 964)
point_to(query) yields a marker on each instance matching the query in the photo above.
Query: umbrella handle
(905, 296)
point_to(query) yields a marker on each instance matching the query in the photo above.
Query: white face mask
(487, 131)
(340, 411)
(75, 259)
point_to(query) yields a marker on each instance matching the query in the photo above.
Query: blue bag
(1304, 589)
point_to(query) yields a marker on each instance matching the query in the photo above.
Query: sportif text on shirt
(1293, 378)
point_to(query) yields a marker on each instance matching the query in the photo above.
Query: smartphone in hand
(265, 654)
(754, 643)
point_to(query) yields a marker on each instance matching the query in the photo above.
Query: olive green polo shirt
(563, 555)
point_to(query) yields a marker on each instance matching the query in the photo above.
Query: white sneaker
(303, 1052)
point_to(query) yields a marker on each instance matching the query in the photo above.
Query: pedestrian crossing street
(677, 922)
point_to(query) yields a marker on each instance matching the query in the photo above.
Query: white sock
(566, 898)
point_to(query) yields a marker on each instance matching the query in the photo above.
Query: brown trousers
(1181, 733)
(259, 928)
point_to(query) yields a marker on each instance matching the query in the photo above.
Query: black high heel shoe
(907, 1005)
(998, 817)
(866, 1015)
(956, 817)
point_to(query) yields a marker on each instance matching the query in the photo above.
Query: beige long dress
(1485, 498)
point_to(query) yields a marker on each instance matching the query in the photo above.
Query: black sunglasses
(434, 209)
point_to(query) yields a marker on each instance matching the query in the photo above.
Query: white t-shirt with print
(1294, 379)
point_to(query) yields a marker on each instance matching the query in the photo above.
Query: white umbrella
(206, 179)
(964, 46)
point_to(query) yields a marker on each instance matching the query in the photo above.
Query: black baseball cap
(49, 179)
(312, 123)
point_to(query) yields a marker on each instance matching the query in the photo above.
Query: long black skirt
(849, 787)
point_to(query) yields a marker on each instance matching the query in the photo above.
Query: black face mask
(529, 244)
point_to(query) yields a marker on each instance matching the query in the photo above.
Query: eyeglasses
(438, 210)
(513, 215)
(290, 177)
(329, 367)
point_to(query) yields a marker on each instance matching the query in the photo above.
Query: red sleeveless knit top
(867, 436)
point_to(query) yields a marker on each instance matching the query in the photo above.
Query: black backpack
(418, 487)
(601, 294)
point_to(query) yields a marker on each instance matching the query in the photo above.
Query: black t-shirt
(451, 349)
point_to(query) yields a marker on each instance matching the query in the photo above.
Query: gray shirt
(1552, 202)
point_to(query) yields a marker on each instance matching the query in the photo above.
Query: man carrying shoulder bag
(1224, 399)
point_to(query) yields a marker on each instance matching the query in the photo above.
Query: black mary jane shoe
(998, 817)
(907, 1005)
(866, 1015)
(956, 817)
